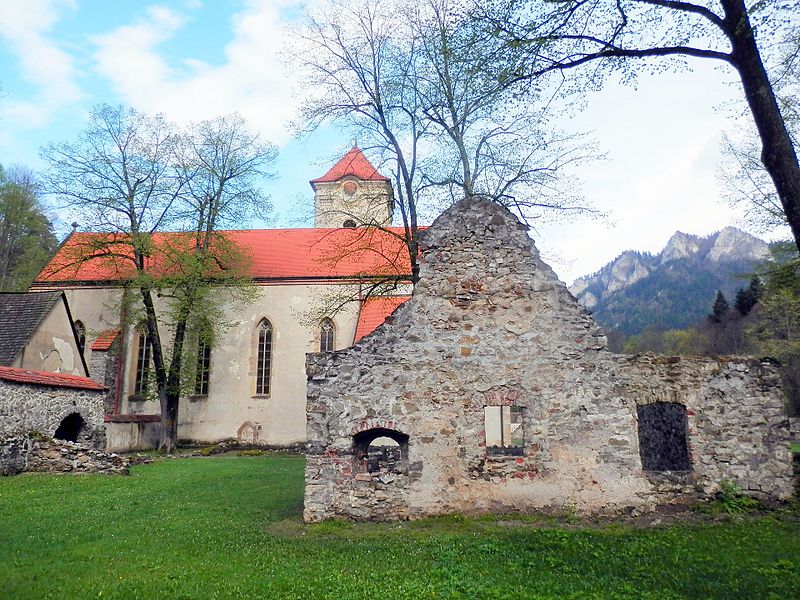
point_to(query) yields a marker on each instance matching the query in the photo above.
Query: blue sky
(196, 59)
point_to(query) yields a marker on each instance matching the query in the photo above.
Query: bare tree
(132, 177)
(488, 141)
(540, 37)
(359, 74)
(222, 164)
(414, 82)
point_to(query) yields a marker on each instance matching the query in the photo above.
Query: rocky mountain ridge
(689, 269)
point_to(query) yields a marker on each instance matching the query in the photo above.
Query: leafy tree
(541, 36)
(670, 342)
(775, 329)
(26, 235)
(683, 341)
(132, 177)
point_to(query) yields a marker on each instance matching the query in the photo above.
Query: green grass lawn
(228, 527)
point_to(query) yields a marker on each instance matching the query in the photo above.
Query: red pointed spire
(353, 163)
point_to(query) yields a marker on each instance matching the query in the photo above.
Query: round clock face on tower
(349, 187)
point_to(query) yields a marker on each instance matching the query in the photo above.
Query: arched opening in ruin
(663, 437)
(70, 428)
(381, 451)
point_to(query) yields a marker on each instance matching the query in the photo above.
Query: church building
(251, 384)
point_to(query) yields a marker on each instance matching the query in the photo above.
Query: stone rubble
(37, 454)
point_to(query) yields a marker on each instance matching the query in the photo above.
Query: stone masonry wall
(40, 408)
(490, 324)
(36, 454)
(104, 370)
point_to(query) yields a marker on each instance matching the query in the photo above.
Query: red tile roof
(353, 163)
(105, 340)
(271, 254)
(45, 378)
(374, 312)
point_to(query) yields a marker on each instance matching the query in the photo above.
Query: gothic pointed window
(326, 343)
(264, 363)
(142, 364)
(203, 369)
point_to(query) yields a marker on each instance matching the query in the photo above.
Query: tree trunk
(172, 396)
(777, 153)
(168, 413)
(169, 422)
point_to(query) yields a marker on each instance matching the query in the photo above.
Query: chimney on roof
(352, 193)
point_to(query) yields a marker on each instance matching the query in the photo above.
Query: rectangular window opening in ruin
(504, 430)
(663, 437)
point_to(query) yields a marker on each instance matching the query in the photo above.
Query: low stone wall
(737, 424)
(36, 454)
(28, 407)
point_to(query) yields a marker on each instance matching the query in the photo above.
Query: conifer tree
(746, 298)
(720, 309)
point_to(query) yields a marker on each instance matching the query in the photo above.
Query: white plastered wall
(294, 310)
(52, 347)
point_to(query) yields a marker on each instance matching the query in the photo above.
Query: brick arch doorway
(71, 428)
(380, 450)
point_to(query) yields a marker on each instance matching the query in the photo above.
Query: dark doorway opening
(70, 428)
(663, 437)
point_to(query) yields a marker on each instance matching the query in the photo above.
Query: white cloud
(250, 81)
(24, 26)
(662, 140)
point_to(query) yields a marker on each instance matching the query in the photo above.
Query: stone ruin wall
(41, 408)
(489, 324)
(738, 428)
(30, 413)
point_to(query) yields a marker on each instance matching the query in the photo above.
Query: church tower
(352, 193)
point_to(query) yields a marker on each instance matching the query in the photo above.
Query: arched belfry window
(326, 334)
(80, 335)
(264, 364)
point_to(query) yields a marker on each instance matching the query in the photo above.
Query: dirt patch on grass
(667, 516)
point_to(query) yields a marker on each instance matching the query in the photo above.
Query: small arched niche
(381, 451)
(71, 428)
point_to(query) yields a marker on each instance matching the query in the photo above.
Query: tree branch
(687, 7)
